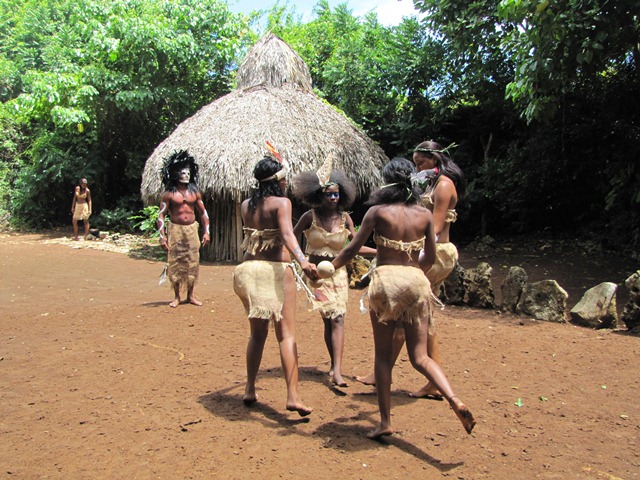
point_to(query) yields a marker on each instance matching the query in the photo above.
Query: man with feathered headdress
(180, 237)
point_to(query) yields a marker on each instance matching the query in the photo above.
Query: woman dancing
(399, 291)
(327, 227)
(441, 197)
(443, 185)
(264, 281)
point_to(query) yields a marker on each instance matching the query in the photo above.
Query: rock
(597, 307)
(453, 287)
(512, 288)
(631, 312)
(544, 300)
(483, 244)
(477, 284)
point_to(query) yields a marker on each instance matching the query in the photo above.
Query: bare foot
(194, 301)
(76, 239)
(338, 381)
(175, 303)
(428, 391)
(249, 399)
(381, 431)
(464, 414)
(368, 380)
(302, 410)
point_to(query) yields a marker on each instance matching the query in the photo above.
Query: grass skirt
(333, 293)
(184, 255)
(260, 286)
(401, 293)
(446, 258)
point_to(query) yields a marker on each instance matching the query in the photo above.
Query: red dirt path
(101, 379)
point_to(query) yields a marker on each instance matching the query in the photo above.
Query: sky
(390, 12)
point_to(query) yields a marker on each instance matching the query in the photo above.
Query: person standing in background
(81, 207)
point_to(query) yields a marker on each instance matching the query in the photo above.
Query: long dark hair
(398, 188)
(307, 189)
(446, 166)
(270, 188)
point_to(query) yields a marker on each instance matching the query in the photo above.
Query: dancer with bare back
(265, 281)
(180, 237)
(399, 293)
(442, 184)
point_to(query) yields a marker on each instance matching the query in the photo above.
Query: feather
(274, 152)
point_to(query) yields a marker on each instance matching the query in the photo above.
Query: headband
(434, 150)
(397, 183)
(279, 175)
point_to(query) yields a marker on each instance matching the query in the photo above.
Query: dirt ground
(101, 379)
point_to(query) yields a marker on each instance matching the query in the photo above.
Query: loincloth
(81, 211)
(260, 286)
(184, 255)
(446, 259)
(333, 292)
(401, 293)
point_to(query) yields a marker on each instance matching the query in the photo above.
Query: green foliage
(540, 96)
(148, 219)
(541, 50)
(569, 69)
(118, 219)
(386, 79)
(11, 142)
(555, 45)
(95, 85)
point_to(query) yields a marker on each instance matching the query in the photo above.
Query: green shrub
(148, 219)
(116, 220)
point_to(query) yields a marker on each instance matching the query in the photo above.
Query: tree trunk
(484, 219)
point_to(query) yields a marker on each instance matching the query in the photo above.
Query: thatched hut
(274, 102)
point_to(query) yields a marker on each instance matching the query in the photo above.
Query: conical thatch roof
(274, 102)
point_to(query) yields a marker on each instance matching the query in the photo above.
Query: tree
(97, 84)
(564, 66)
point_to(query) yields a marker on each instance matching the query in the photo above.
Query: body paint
(163, 208)
(206, 215)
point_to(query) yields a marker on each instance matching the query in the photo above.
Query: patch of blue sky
(390, 12)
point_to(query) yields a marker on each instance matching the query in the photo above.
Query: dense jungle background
(542, 100)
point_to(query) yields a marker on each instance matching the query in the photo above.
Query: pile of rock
(544, 300)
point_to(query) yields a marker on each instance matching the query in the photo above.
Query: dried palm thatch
(274, 102)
